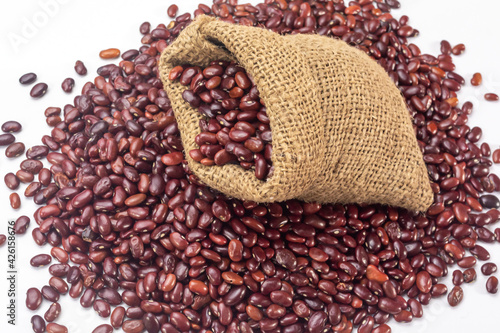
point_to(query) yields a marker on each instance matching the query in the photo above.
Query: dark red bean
(455, 296)
(21, 225)
(33, 298)
(317, 322)
(38, 324)
(80, 68)
(40, 260)
(58, 284)
(27, 78)
(39, 90)
(6, 139)
(11, 181)
(489, 268)
(68, 84)
(53, 312)
(50, 294)
(11, 126)
(458, 277)
(172, 10)
(14, 150)
(492, 285)
(104, 328)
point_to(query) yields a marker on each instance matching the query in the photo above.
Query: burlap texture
(340, 128)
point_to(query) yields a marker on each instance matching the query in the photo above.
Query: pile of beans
(236, 127)
(136, 237)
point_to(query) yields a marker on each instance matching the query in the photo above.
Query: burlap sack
(340, 128)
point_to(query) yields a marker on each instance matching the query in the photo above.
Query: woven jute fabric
(341, 132)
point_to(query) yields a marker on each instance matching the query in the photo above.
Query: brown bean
(15, 200)
(56, 328)
(477, 79)
(491, 97)
(109, 53)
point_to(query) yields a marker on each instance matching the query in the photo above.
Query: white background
(48, 36)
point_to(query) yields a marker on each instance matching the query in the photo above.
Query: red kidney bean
(104, 328)
(39, 90)
(21, 225)
(150, 228)
(477, 79)
(50, 294)
(14, 150)
(53, 312)
(11, 181)
(102, 308)
(109, 53)
(15, 200)
(80, 68)
(492, 285)
(117, 316)
(7, 139)
(56, 328)
(27, 78)
(58, 284)
(172, 10)
(40, 260)
(33, 298)
(68, 84)
(38, 324)
(11, 126)
(469, 275)
(458, 49)
(110, 295)
(491, 97)
(488, 268)
(455, 296)
(458, 277)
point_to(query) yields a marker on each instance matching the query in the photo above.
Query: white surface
(48, 36)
